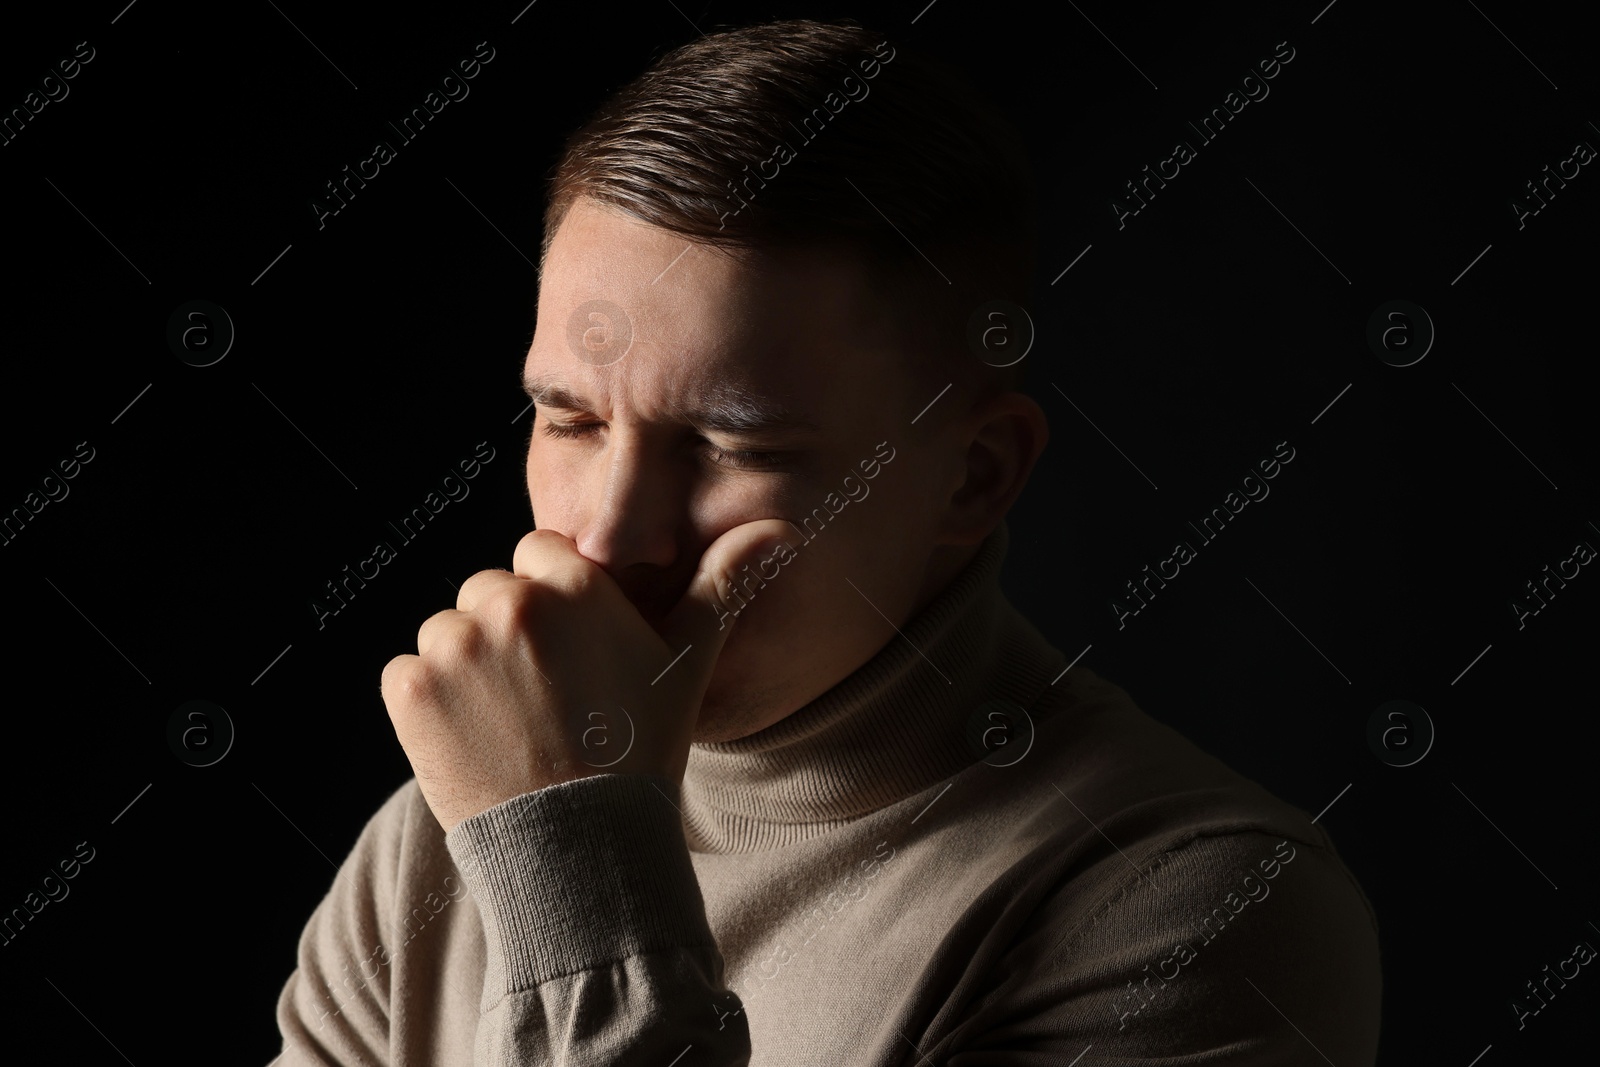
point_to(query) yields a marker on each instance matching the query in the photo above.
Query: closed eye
(739, 459)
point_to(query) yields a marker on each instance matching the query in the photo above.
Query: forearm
(595, 928)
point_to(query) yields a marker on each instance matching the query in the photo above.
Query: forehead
(792, 324)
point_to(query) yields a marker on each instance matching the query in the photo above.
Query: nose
(633, 509)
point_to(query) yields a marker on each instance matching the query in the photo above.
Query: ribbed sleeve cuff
(578, 874)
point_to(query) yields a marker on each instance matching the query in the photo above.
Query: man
(747, 759)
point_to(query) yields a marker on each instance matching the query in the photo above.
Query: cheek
(800, 633)
(825, 592)
(550, 488)
(818, 618)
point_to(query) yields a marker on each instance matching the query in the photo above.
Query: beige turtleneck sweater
(859, 884)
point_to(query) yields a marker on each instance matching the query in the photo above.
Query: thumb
(729, 575)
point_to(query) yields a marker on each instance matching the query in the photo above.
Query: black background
(378, 350)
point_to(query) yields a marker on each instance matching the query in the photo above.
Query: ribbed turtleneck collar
(891, 728)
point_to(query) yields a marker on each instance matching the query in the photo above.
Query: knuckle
(507, 612)
(408, 680)
(464, 643)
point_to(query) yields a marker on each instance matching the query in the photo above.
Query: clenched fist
(497, 700)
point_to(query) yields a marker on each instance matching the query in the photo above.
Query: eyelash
(741, 459)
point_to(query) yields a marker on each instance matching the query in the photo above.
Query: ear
(1002, 438)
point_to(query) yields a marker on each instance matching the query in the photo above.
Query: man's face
(643, 490)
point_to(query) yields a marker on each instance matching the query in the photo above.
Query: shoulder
(403, 814)
(1224, 937)
(1174, 903)
(1112, 758)
(1235, 947)
(1200, 885)
(399, 837)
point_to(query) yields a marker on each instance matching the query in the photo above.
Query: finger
(442, 627)
(481, 586)
(544, 555)
(700, 624)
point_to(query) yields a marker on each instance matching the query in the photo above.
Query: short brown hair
(876, 148)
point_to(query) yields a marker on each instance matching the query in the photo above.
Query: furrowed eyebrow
(727, 409)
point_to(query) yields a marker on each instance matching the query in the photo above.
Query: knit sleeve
(1233, 950)
(598, 947)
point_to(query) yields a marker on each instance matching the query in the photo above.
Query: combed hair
(893, 157)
